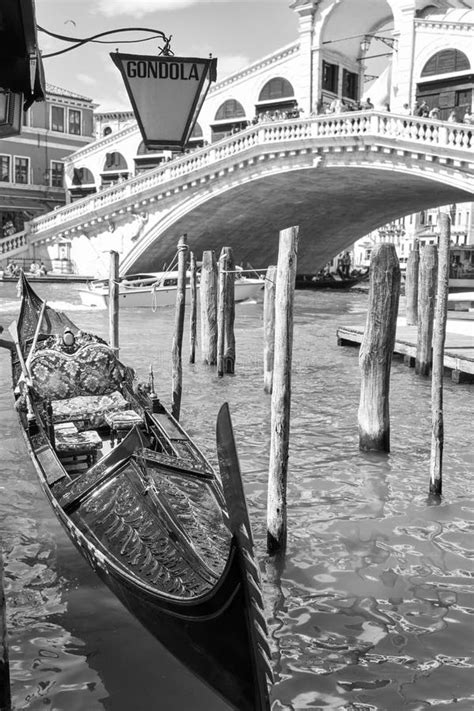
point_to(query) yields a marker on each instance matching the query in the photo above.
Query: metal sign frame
(203, 84)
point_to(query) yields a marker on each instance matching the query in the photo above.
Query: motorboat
(158, 289)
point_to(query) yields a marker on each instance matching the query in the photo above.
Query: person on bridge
(423, 110)
(434, 113)
(468, 117)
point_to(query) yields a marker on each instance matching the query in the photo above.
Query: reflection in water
(373, 605)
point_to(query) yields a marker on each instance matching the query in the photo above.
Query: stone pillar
(304, 88)
(402, 89)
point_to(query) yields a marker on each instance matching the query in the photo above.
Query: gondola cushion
(92, 370)
(82, 386)
(88, 411)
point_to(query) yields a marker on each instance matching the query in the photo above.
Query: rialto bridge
(336, 176)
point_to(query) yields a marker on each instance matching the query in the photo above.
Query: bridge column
(308, 67)
(402, 91)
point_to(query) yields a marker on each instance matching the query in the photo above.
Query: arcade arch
(83, 183)
(277, 96)
(230, 117)
(447, 82)
(115, 168)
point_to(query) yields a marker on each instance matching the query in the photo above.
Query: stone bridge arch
(335, 195)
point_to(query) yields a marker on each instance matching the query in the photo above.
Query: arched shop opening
(83, 184)
(230, 118)
(276, 98)
(196, 139)
(148, 158)
(115, 169)
(447, 82)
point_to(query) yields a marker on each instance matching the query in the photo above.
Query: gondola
(140, 501)
(330, 281)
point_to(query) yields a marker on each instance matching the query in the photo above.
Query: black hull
(211, 636)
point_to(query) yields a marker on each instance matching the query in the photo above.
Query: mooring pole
(193, 313)
(5, 691)
(426, 306)
(114, 301)
(411, 285)
(221, 306)
(229, 318)
(208, 300)
(375, 356)
(439, 337)
(281, 393)
(177, 369)
(269, 327)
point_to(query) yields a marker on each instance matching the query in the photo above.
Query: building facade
(32, 163)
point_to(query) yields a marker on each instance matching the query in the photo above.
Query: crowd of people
(422, 108)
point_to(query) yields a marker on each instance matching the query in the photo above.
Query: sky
(237, 32)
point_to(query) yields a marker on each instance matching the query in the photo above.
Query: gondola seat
(82, 386)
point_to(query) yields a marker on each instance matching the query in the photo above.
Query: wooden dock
(458, 348)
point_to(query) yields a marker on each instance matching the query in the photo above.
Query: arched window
(115, 161)
(82, 176)
(276, 100)
(107, 131)
(115, 168)
(277, 88)
(446, 62)
(231, 118)
(83, 184)
(230, 109)
(451, 95)
(197, 131)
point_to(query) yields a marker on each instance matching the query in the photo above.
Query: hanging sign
(166, 93)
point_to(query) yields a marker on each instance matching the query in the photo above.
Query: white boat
(461, 302)
(157, 289)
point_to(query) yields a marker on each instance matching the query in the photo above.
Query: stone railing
(409, 132)
(9, 246)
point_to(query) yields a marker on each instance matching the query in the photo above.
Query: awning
(21, 67)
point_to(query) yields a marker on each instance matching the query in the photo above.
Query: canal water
(373, 607)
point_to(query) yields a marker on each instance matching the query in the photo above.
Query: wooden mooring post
(439, 337)
(177, 365)
(426, 306)
(208, 301)
(281, 391)
(114, 301)
(5, 691)
(375, 356)
(226, 313)
(269, 328)
(411, 285)
(193, 310)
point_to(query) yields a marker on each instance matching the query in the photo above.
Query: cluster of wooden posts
(217, 303)
(426, 291)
